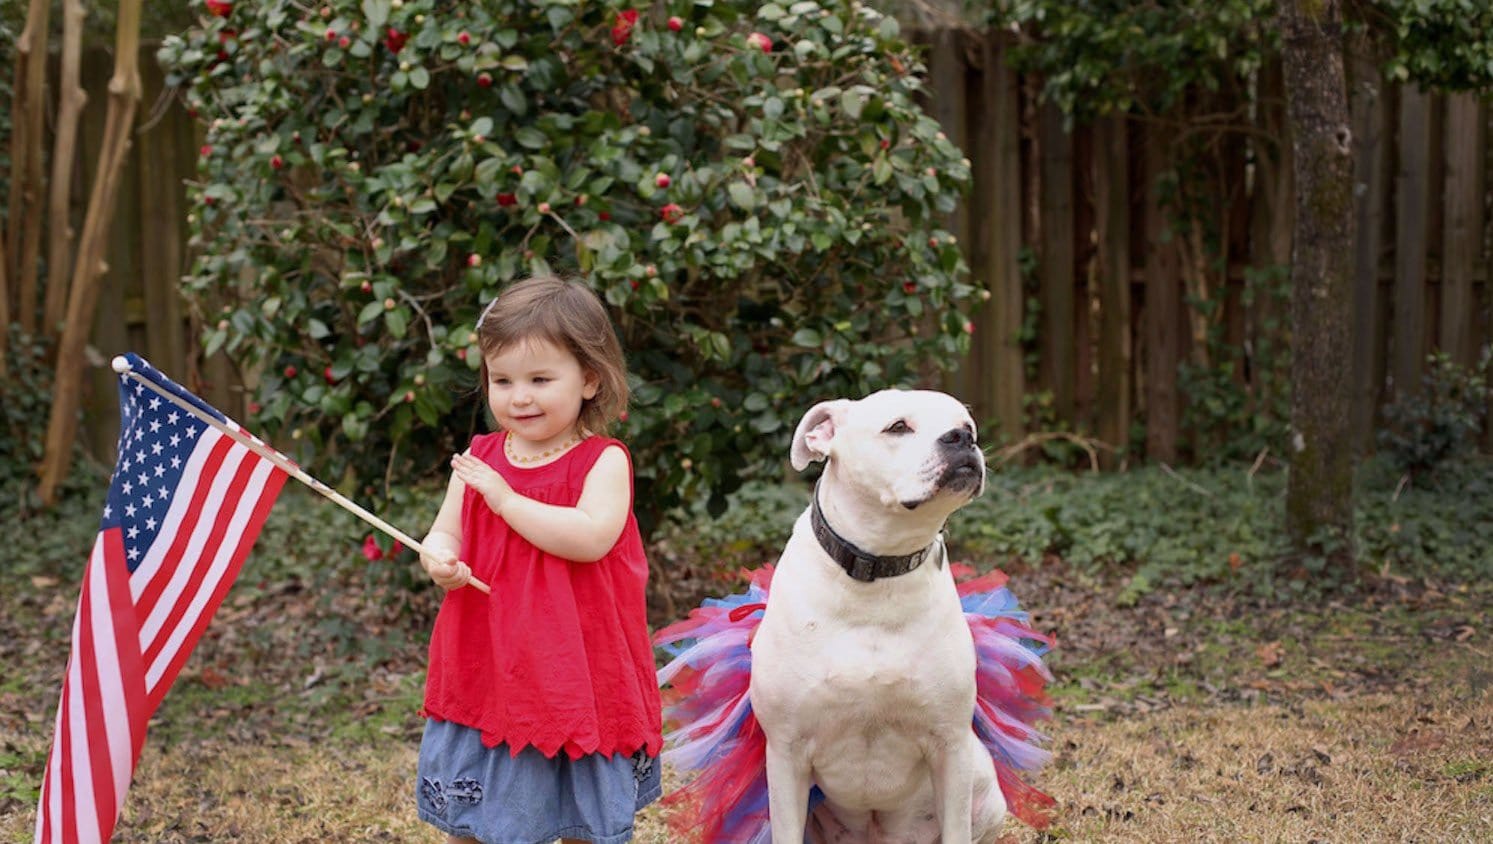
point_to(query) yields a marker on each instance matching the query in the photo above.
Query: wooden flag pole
(122, 366)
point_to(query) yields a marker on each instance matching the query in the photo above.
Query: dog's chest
(835, 676)
(868, 669)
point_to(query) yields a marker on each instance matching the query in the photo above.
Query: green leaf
(370, 312)
(397, 321)
(377, 13)
(742, 194)
(807, 337)
(852, 102)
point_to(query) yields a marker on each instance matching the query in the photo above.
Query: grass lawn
(1188, 715)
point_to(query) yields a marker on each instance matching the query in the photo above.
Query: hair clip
(485, 311)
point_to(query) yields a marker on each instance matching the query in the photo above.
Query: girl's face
(535, 390)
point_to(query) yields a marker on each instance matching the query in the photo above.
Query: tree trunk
(23, 241)
(88, 269)
(1319, 493)
(70, 108)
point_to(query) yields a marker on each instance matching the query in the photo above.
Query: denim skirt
(467, 789)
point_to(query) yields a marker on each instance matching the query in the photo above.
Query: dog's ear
(815, 430)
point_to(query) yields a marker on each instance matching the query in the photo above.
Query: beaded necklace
(508, 449)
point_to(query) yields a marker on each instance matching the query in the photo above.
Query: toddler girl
(542, 701)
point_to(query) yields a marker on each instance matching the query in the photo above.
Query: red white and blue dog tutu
(713, 734)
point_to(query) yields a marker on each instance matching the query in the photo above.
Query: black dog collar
(857, 563)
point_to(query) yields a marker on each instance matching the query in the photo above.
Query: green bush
(1116, 55)
(753, 190)
(1425, 430)
(1436, 43)
(1224, 526)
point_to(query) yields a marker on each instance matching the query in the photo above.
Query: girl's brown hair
(568, 314)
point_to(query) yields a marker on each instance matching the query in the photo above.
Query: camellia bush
(753, 189)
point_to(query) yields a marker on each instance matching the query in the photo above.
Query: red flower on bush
(395, 39)
(219, 8)
(760, 41)
(622, 29)
(507, 199)
(671, 213)
(372, 553)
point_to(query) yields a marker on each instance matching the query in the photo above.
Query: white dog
(863, 670)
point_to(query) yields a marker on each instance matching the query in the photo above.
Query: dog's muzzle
(964, 470)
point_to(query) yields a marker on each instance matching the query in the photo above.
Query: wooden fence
(1124, 296)
(1127, 290)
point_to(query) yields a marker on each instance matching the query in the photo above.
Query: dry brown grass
(1379, 767)
(1383, 767)
(1183, 719)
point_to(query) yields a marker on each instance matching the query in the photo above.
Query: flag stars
(160, 470)
(155, 403)
(155, 426)
(156, 447)
(144, 479)
(173, 418)
(150, 524)
(163, 494)
(175, 440)
(126, 489)
(133, 533)
(133, 553)
(129, 511)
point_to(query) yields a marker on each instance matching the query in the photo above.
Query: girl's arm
(443, 543)
(583, 533)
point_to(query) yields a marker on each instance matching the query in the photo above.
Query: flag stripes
(185, 505)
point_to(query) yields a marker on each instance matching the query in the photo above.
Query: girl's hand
(447, 571)
(482, 478)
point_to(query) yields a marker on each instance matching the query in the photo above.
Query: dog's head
(908, 450)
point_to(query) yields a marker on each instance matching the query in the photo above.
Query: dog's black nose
(957, 438)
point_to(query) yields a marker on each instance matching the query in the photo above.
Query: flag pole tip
(120, 364)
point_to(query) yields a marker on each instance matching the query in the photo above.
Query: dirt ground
(1188, 717)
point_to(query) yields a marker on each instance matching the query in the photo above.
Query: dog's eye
(898, 427)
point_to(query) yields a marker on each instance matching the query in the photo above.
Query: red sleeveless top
(559, 655)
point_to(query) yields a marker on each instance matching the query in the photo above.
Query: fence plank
(1111, 165)
(1371, 183)
(1163, 308)
(946, 77)
(1463, 232)
(160, 217)
(1412, 190)
(1055, 365)
(1003, 365)
(1085, 261)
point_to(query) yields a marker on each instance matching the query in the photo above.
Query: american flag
(185, 505)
